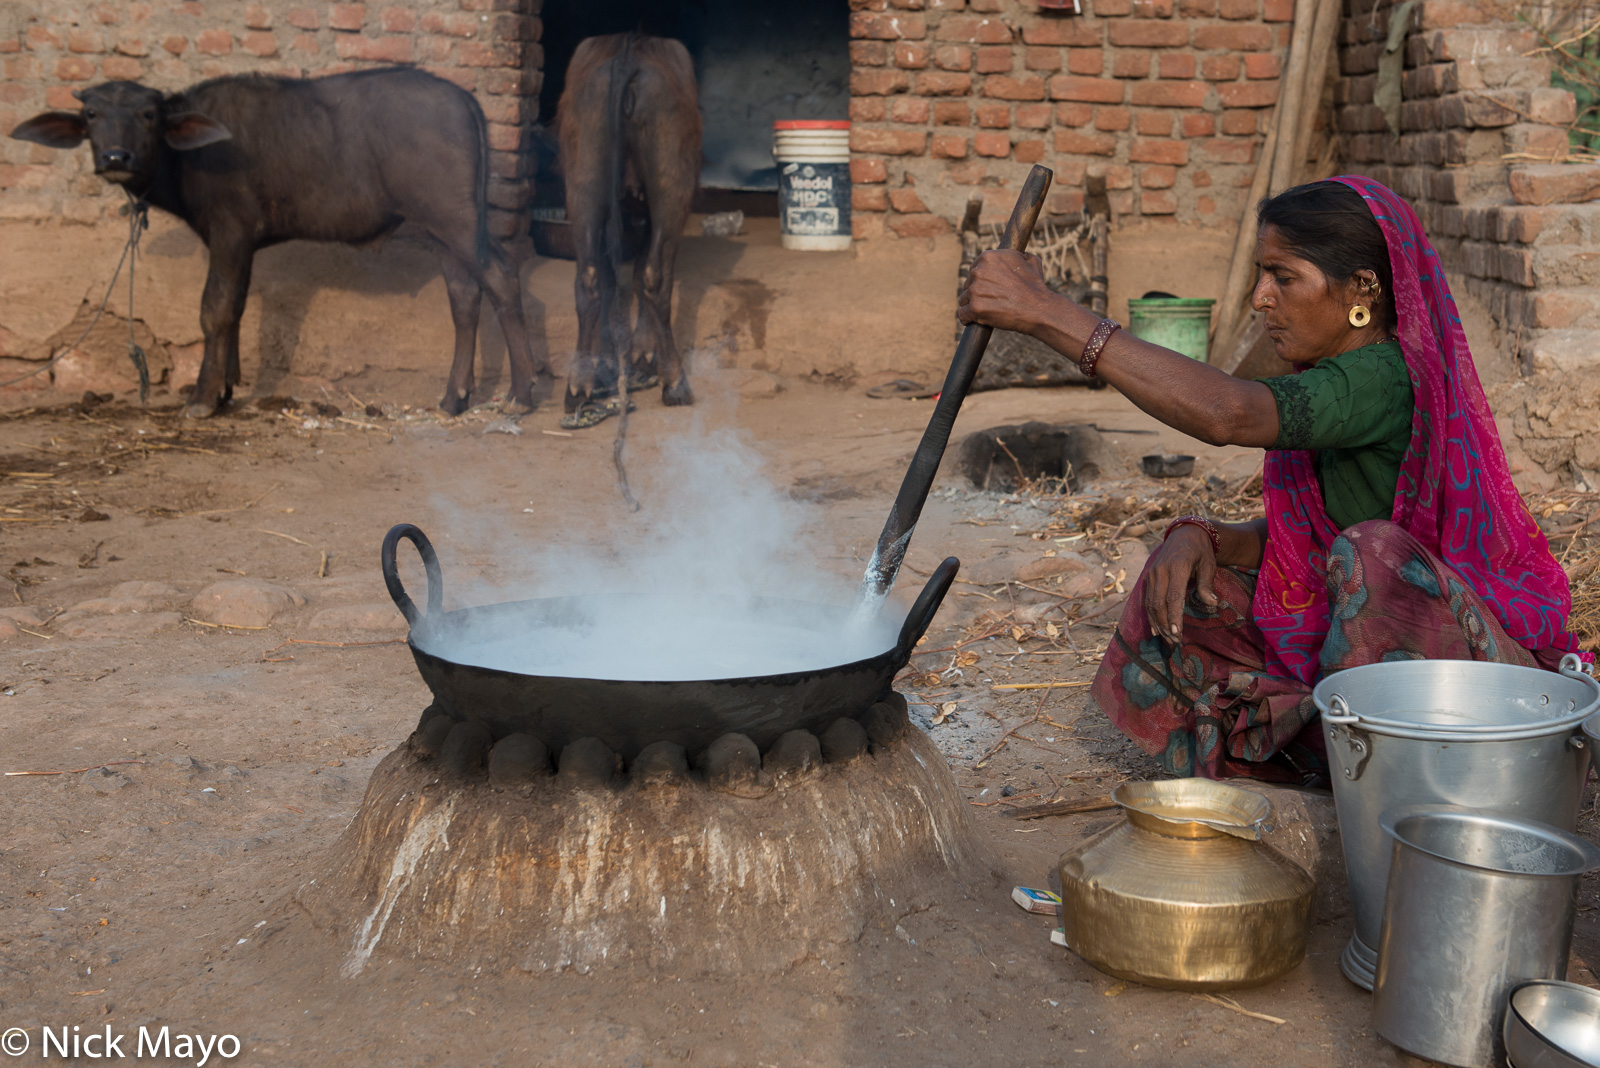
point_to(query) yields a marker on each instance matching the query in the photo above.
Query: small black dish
(1167, 465)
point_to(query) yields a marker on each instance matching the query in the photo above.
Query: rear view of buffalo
(629, 123)
(251, 161)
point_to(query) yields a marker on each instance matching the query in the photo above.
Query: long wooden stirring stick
(907, 509)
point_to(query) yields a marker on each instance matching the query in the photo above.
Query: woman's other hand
(1005, 290)
(1185, 556)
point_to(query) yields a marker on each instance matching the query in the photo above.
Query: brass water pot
(1183, 893)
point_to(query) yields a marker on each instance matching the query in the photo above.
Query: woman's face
(1307, 318)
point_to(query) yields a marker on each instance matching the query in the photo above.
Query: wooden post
(1284, 165)
(1241, 266)
(1324, 34)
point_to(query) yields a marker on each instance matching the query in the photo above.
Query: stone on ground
(132, 625)
(124, 598)
(382, 618)
(245, 602)
(1047, 567)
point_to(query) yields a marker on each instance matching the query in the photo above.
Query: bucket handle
(430, 564)
(1339, 713)
(1573, 664)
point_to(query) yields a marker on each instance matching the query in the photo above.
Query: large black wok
(628, 715)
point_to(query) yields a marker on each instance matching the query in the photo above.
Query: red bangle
(1197, 521)
(1097, 343)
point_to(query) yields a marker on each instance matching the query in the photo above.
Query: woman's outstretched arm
(1006, 290)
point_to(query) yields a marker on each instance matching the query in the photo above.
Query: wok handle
(430, 563)
(920, 618)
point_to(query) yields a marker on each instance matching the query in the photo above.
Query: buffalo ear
(191, 129)
(56, 129)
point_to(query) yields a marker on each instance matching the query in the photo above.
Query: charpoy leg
(1206, 706)
(1389, 598)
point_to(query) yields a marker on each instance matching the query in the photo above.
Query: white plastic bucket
(813, 183)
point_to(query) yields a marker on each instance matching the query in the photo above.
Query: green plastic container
(1182, 324)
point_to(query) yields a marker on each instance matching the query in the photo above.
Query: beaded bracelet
(1097, 343)
(1197, 521)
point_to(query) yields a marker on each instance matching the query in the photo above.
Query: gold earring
(1360, 316)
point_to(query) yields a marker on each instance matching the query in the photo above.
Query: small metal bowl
(1550, 1024)
(1167, 465)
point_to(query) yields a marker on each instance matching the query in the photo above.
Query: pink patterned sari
(1460, 571)
(1455, 495)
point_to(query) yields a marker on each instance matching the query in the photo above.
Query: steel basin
(1494, 737)
(1551, 1024)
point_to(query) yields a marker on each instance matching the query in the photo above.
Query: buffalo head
(127, 126)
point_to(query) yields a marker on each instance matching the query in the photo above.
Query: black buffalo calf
(250, 161)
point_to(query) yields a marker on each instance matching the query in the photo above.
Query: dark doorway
(755, 62)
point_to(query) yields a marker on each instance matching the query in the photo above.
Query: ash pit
(502, 852)
(1006, 458)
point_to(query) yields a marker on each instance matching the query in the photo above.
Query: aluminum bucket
(1493, 737)
(1477, 903)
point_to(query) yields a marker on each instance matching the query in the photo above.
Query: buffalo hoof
(544, 385)
(200, 410)
(677, 395)
(518, 404)
(453, 403)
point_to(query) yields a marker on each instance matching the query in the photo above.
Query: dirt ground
(156, 891)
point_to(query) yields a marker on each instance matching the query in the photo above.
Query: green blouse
(1354, 411)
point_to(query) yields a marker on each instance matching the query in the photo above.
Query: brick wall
(50, 47)
(1471, 97)
(1479, 121)
(1167, 98)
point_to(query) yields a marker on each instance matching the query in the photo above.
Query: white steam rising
(683, 589)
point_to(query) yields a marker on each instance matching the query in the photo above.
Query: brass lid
(1194, 808)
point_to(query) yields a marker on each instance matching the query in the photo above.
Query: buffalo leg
(504, 287)
(652, 340)
(465, 298)
(592, 161)
(595, 289)
(221, 308)
(669, 178)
